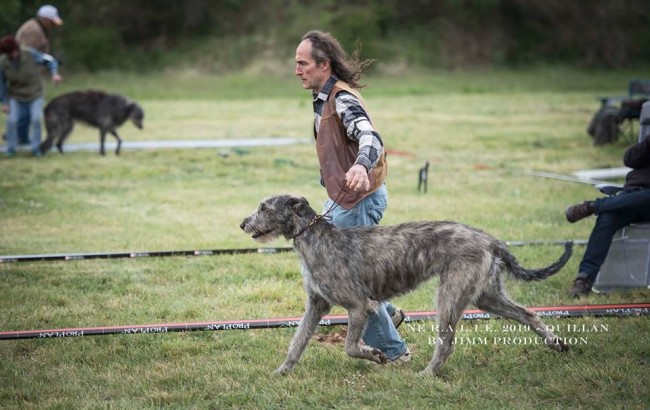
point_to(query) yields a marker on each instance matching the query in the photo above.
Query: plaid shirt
(356, 123)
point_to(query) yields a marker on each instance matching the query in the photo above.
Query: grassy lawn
(481, 133)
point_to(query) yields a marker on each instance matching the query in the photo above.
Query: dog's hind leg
(57, 127)
(316, 308)
(47, 143)
(453, 297)
(357, 318)
(63, 134)
(494, 300)
(119, 142)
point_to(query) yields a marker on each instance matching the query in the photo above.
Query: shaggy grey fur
(358, 267)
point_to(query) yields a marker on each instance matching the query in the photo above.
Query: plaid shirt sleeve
(358, 127)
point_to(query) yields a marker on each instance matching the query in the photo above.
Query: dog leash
(342, 193)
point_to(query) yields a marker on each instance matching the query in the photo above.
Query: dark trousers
(613, 213)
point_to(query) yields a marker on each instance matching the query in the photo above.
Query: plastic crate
(628, 262)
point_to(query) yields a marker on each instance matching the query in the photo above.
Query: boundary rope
(205, 252)
(619, 310)
(145, 254)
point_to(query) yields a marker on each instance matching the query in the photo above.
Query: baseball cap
(51, 13)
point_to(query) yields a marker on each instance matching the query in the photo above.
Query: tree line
(145, 34)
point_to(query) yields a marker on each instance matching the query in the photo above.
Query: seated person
(631, 205)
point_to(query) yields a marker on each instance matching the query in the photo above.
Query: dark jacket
(637, 157)
(21, 78)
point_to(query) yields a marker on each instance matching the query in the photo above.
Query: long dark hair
(325, 46)
(8, 45)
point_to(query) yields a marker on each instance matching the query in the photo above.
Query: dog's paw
(557, 344)
(563, 348)
(282, 370)
(426, 373)
(379, 356)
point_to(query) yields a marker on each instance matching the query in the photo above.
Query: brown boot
(580, 211)
(581, 287)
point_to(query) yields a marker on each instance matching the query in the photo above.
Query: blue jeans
(23, 130)
(380, 332)
(21, 109)
(613, 213)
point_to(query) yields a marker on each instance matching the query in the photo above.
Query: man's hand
(56, 78)
(5, 108)
(357, 178)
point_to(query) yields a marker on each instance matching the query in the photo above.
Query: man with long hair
(352, 159)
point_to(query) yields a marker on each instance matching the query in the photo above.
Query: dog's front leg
(316, 308)
(119, 142)
(102, 141)
(357, 318)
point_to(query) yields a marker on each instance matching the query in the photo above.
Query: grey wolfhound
(96, 108)
(357, 268)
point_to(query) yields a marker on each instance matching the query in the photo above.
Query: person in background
(21, 89)
(352, 159)
(630, 205)
(34, 33)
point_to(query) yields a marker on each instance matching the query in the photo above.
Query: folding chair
(629, 106)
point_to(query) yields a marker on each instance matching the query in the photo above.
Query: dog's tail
(528, 275)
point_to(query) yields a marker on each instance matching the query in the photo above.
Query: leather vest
(337, 153)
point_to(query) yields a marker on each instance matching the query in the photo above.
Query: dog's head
(282, 215)
(136, 114)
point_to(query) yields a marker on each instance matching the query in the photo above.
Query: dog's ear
(133, 107)
(299, 205)
(135, 113)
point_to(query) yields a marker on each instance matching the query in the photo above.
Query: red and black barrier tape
(206, 252)
(620, 310)
(147, 254)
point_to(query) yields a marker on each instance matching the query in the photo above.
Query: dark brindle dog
(358, 267)
(95, 108)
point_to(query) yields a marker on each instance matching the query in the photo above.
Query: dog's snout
(245, 224)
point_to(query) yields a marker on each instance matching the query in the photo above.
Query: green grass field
(481, 132)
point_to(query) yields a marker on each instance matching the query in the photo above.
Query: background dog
(358, 268)
(93, 107)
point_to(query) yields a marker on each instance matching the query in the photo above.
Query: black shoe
(580, 211)
(581, 287)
